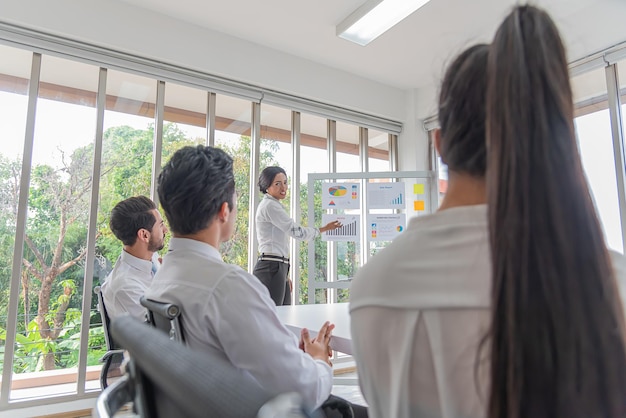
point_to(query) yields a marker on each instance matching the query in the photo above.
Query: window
(348, 160)
(60, 197)
(14, 77)
(232, 134)
(378, 151)
(313, 159)
(593, 129)
(56, 227)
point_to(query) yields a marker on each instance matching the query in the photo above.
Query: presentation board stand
(373, 208)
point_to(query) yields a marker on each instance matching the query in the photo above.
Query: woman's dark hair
(557, 327)
(131, 215)
(267, 177)
(193, 185)
(462, 112)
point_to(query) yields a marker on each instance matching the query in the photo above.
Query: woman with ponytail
(420, 307)
(517, 317)
(556, 342)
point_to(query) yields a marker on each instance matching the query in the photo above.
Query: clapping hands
(318, 347)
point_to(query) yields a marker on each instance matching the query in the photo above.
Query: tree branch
(32, 269)
(72, 262)
(58, 251)
(33, 248)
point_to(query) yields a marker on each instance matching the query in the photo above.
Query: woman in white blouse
(512, 310)
(273, 229)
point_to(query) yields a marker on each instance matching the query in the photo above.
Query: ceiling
(410, 55)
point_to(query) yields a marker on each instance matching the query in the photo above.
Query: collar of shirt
(191, 245)
(145, 266)
(270, 197)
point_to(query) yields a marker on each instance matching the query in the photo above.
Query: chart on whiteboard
(386, 195)
(349, 231)
(385, 227)
(341, 195)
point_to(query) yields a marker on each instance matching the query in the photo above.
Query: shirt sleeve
(255, 340)
(279, 218)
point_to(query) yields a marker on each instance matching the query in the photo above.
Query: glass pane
(378, 150)
(276, 142)
(348, 253)
(126, 170)
(232, 134)
(313, 159)
(593, 129)
(127, 153)
(347, 148)
(184, 120)
(56, 232)
(14, 76)
(128, 138)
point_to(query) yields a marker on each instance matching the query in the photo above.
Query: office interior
(94, 96)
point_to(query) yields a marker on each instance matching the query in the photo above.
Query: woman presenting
(273, 229)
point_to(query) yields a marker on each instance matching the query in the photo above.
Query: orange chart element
(337, 191)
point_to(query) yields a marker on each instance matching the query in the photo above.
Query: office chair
(167, 379)
(114, 397)
(114, 354)
(165, 317)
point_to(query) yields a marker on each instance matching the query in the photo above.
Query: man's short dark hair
(131, 215)
(193, 185)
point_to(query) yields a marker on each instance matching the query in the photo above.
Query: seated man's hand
(318, 347)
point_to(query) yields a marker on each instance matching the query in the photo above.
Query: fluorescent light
(374, 18)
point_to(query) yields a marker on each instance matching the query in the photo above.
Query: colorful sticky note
(418, 188)
(418, 205)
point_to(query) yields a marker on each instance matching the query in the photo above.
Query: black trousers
(273, 274)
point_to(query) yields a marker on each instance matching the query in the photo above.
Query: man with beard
(138, 224)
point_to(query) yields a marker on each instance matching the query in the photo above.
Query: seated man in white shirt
(224, 309)
(138, 224)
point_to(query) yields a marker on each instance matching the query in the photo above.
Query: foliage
(235, 250)
(48, 333)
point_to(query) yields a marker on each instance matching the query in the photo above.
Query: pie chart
(337, 191)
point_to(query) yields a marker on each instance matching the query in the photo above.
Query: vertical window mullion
(617, 130)
(393, 152)
(364, 159)
(20, 230)
(295, 202)
(210, 119)
(158, 139)
(91, 233)
(255, 150)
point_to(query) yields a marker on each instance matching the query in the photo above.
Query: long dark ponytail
(557, 332)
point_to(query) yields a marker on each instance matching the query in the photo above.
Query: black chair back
(165, 317)
(106, 321)
(171, 380)
(113, 356)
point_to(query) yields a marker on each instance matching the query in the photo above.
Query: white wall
(126, 28)
(122, 27)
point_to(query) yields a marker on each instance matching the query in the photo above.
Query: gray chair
(114, 397)
(113, 356)
(165, 317)
(167, 379)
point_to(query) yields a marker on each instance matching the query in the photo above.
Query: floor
(350, 393)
